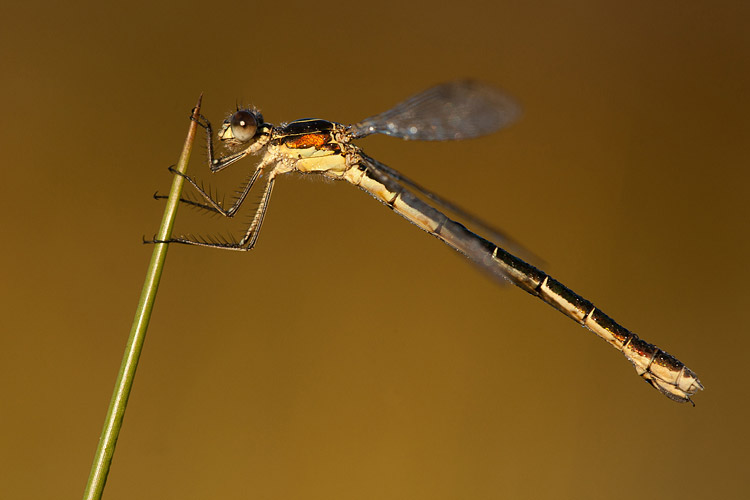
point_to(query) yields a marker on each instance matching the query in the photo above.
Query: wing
(496, 235)
(455, 110)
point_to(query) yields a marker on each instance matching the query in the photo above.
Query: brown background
(351, 356)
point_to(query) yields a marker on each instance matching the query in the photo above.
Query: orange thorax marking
(308, 141)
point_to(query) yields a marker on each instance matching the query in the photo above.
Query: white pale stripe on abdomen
(663, 371)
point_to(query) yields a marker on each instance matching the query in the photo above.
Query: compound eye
(244, 125)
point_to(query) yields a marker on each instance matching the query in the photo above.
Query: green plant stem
(116, 412)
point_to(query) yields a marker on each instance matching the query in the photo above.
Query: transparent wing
(455, 110)
(496, 235)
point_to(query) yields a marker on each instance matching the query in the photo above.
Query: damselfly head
(241, 127)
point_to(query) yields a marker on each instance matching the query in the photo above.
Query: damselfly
(457, 110)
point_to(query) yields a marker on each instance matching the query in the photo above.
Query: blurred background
(351, 355)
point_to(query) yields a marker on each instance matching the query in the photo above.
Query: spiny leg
(215, 205)
(190, 202)
(251, 235)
